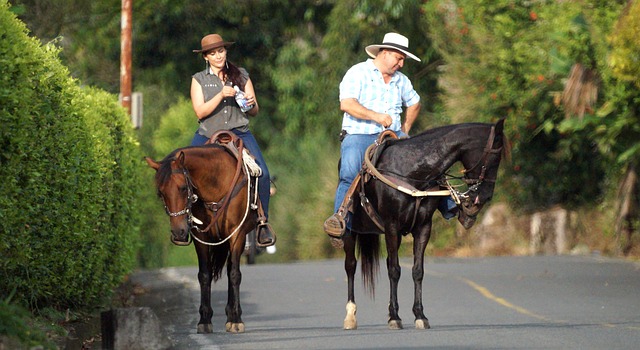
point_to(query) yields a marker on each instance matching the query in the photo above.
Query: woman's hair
(233, 74)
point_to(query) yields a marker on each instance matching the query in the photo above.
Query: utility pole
(125, 55)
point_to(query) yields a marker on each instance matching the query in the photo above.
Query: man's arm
(411, 115)
(354, 108)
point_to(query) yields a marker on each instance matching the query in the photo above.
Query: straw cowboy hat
(213, 41)
(392, 41)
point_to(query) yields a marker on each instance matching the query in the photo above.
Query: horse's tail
(218, 257)
(369, 251)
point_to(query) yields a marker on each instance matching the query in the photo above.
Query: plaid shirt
(364, 82)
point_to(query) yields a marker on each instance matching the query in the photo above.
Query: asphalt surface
(544, 302)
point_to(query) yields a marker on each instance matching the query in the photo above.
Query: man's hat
(392, 41)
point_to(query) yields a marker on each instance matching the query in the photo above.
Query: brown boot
(266, 236)
(466, 221)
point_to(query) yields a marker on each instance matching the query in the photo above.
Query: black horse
(421, 162)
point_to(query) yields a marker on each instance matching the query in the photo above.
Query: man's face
(392, 61)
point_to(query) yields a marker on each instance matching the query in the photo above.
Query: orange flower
(533, 16)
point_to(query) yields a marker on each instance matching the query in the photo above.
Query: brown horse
(205, 193)
(420, 162)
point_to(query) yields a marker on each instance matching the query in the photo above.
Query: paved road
(477, 303)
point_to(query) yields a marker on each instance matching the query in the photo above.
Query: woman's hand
(227, 91)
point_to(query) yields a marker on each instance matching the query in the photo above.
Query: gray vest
(227, 115)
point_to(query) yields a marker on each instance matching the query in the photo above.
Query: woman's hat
(212, 41)
(392, 41)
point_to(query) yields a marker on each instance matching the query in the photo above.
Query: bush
(70, 171)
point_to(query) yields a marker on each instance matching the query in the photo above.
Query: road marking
(487, 294)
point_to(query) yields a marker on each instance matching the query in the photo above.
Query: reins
(458, 197)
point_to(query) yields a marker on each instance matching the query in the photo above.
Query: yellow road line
(487, 294)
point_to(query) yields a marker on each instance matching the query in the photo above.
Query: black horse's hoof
(205, 328)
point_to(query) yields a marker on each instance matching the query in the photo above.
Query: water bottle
(241, 100)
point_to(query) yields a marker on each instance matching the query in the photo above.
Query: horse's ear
(500, 126)
(180, 157)
(152, 163)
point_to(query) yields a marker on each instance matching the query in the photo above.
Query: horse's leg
(233, 309)
(393, 267)
(350, 265)
(204, 277)
(420, 241)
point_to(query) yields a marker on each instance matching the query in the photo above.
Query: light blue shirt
(365, 83)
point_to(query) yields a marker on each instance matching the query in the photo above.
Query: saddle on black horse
(335, 226)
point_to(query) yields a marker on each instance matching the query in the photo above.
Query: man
(372, 95)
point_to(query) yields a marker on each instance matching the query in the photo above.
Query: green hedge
(70, 170)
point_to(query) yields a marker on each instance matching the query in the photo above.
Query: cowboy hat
(212, 41)
(393, 41)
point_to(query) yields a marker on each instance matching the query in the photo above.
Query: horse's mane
(437, 132)
(164, 171)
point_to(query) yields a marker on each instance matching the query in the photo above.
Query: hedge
(70, 171)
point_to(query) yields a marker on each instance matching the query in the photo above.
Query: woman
(213, 98)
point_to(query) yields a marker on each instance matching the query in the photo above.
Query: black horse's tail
(369, 251)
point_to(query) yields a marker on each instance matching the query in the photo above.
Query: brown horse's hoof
(395, 324)
(422, 324)
(234, 327)
(205, 328)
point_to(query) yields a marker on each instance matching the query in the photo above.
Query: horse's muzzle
(181, 237)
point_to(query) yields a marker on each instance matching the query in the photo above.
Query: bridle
(191, 198)
(473, 185)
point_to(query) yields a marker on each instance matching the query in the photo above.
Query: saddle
(234, 145)
(369, 172)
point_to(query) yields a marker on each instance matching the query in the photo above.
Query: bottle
(241, 100)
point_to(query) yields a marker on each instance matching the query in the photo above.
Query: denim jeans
(250, 143)
(352, 152)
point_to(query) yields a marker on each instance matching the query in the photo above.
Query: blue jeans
(352, 152)
(250, 143)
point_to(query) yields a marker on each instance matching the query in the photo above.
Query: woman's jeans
(250, 143)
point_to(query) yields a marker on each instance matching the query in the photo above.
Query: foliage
(71, 171)
(16, 325)
(512, 59)
(482, 60)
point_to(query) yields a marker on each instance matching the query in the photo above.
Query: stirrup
(335, 226)
(262, 226)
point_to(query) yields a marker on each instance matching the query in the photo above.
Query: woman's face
(216, 57)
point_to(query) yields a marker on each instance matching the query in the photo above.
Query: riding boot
(266, 236)
(335, 225)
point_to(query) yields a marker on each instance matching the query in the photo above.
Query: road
(544, 302)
